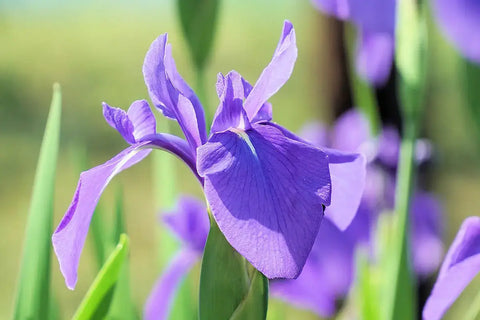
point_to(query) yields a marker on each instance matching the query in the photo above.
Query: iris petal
(266, 192)
(460, 266)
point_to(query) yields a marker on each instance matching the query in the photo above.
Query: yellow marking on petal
(242, 134)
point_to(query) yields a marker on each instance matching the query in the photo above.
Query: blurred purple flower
(190, 223)
(461, 265)
(460, 20)
(266, 187)
(329, 271)
(375, 20)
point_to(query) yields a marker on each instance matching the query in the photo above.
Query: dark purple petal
(264, 114)
(276, 73)
(266, 192)
(375, 56)
(460, 266)
(426, 233)
(190, 222)
(336, 8)
(170, 93)
(134, 124)
(69, 237)
(159, 302)
(460, 21)
(351, 132)
(230, 112)
(327, 275)
(347, 172)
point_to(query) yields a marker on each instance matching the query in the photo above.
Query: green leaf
(96, 302)
(32, 300)
(470, 85)
(198, 19)
(230, 288)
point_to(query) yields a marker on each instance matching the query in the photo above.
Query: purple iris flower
(375, 20)
(329, 271)
(460, 20)
(266, 188)
(190, 223)
(461, 265)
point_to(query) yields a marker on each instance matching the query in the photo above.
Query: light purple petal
(460, 21)
(142, 118)
(316, 134)
(327, 275)
(159, 302)
(351, 132)
(167, 88)
(69, 237)
(230, 112)
(389, 146)
(426, 233)
(375, 56)
(190, 222)
(276, 73)
(118, 119)
(336, 8)
(373, 15)
(266, 192)
(347, 171)
(460, 266)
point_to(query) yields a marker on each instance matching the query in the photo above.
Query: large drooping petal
(426, 233)
(460, 266)
(230, 112)
(170, 93)
(327, 275)
(190, 222)
(276, 73)
(347, 171)
(267, 193)
(69, 237)
(374, 56)
(460, 21)
(134, 124)
(159, 302)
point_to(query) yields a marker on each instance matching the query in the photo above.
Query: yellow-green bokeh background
(95, 50)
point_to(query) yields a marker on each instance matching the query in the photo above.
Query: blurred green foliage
(96, 52)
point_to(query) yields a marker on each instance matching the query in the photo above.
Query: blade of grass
(96, 302)
(32, 300)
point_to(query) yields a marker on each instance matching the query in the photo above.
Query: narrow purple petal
(266, 192)
(230, 112)
(327, 275)
(347, 171)
(69, 237)
(159, 302)
(166, 87)
(118, 119)
(460, 266)
(190, 222)
(276, 73)
(426, 233)
(142, 118)
(375, 56)
(460, 21)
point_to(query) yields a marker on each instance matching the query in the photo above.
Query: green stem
(474, 310)
(202, 95)
(402, 287)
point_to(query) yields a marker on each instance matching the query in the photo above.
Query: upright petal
(133, 125)
(69, 237)
(327, 275)
(347, 171)
(190, 222)
(276, 73)
(160, 300)
(460, 266)
(375, 56)
(166, 87)
(460, 21)
(267, 193)
(230, 112)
